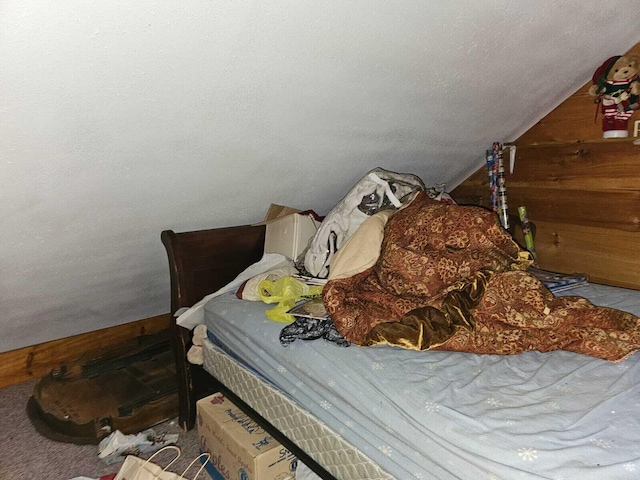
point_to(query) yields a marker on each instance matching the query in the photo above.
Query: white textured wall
(119, 119)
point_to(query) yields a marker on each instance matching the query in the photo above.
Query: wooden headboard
(201, 262)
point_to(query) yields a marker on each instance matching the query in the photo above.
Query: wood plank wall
(31, 363)
(583, 192)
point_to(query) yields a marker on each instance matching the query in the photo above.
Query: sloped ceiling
(120, 119)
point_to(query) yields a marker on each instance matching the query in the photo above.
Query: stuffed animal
(616, 86)
(195, 355)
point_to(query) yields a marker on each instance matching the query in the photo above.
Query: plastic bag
(439, 192)
(378, 190)
(117, 446)
(286, 292)
(136, 468)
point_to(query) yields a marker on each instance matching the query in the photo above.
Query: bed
(398, 413)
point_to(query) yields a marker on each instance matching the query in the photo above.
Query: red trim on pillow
(241, 289)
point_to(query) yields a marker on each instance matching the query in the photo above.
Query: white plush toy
(195, 355)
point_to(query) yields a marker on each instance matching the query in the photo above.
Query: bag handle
(387, 189)
(168, 447)
(208, 457)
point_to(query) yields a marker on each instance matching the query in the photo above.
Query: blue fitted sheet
(450, 415)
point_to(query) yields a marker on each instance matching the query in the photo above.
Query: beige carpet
(25, 454)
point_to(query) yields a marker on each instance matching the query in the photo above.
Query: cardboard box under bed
(240, 448)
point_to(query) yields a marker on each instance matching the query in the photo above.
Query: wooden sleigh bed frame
(201, 262)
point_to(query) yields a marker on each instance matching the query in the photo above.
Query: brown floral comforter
(450, 278)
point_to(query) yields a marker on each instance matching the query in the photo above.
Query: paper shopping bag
(136, 468)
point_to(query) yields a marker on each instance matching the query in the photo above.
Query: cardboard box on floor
(240, 449)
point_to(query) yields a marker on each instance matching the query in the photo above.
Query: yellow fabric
(286, 292)
(251, 290)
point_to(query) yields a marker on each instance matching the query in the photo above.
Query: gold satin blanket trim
(428, 327)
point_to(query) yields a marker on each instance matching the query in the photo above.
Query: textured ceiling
(121, 119)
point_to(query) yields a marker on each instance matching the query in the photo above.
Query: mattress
(384, 412)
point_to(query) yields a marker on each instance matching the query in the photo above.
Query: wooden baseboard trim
(31, 363)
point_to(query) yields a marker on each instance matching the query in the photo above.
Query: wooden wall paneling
(474, 190)
(30, 363)
(566, 247)
(580, 207)
(577, 207)
(602, 165)
(591, 166)
(574, 121)
(593, 184)
(582, 191)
